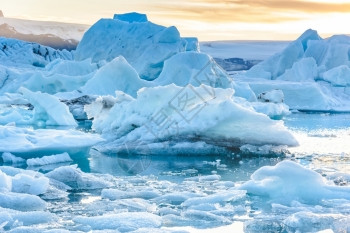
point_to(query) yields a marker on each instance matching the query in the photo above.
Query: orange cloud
(264, 11)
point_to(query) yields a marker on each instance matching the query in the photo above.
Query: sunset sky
(205, 19)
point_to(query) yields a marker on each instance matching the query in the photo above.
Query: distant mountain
(241, 55)
(54, 34)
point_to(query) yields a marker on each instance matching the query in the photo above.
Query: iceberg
(312, 72)
(21, 53)
(288, 181)
(177, 114)
(143, 44)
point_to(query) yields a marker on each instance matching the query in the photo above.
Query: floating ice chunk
(44, 139)
(59, 158)
(274, 96)
(116, 75)
(13, 218)
(48, 109)
(207, 178)
(5, 182)
(12, 159)
(21, 201)
(273, 104)
(76, 179)
(221, 197)
(114, 194)
(123, 222)
(22, 183)
(176, 198)
(289, 181)
(274, 111)
(311, 222)
(202, 215)
(131, 17)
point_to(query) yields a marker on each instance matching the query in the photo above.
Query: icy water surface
(160, 193)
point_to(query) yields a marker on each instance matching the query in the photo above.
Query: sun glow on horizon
(205, 19)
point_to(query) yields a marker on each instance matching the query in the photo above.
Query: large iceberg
(143, 44)
(312, 72)
(177, 114)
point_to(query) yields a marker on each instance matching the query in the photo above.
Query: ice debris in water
(50, 159)
(289, 181)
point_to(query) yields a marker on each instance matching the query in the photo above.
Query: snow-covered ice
(75, 178)
(117, 75)
(44, 139)
(288, 181)
(312, 73)
(49, 159)
(26, 53)
(143, 44)
(218, 119)
(48, 110)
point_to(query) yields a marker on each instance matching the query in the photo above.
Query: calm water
(324, 147)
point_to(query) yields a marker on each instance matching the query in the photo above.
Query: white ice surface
(288, 181)
(43, 139)
(49, 159)
(11, 159)
(123, 221)
(312, 72)
(48, 110)
(217, 118)
(76, 179)
(143, 44)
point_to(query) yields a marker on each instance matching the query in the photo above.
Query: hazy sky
(206, 19)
